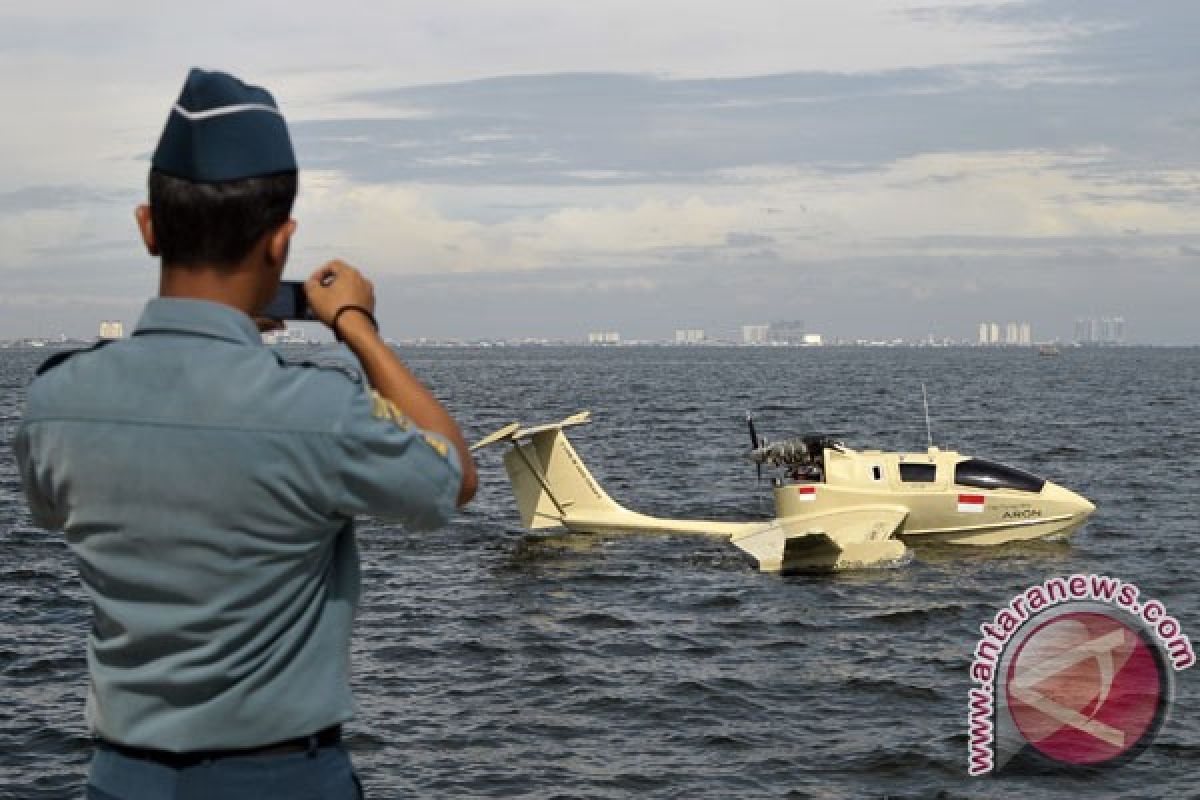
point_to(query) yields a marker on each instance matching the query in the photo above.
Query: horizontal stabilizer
(513, 432)
(505, 434)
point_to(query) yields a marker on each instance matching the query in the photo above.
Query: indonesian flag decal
(807, 493)
(971, 503)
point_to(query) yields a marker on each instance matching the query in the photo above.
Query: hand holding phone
(335, 286)
(289, 303)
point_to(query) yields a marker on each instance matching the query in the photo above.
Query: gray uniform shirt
(208, 490)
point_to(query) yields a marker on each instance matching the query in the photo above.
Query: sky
(531, 168)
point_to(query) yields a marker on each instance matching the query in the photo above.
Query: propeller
(802, 456)
(755, 443)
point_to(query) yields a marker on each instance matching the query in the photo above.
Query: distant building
(689, 336)
(1014, 333)
(756, 334)
(1112, 330)
(1100, 330)
(787, 332)
(604, 337)
(813, 339)
(112, 329)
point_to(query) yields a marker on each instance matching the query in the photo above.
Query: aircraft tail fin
(548, 477)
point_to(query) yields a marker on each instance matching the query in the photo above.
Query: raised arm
(338, 287)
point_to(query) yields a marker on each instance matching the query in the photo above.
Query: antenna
(928, 427)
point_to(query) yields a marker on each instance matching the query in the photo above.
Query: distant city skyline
(1088, 331)
(877, 169)
(1108, 330)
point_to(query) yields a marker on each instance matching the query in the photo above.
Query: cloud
(53, 198)
(401, 230)
(630, 129)
(742, 239)
(429, 41)
(46, 225)
(874, 157)
(87, 100)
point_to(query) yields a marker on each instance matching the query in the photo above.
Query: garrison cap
(223, 130)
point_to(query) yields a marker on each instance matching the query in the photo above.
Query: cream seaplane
(835, 508)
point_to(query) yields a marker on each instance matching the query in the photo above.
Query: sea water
(494, 662)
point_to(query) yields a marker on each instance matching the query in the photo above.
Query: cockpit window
(990, 475)
(918, 473)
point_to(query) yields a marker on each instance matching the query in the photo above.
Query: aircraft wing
(852, 537)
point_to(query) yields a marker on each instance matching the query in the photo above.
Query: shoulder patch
(382, 408)
(437, 444)
(61, 356)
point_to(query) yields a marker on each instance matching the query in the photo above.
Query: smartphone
(289, 303)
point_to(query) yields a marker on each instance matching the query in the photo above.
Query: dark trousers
(324, 774)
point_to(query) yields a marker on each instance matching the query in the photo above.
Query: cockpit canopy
(989, 475)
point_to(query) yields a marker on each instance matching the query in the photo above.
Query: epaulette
(61, 356)
(345, 369)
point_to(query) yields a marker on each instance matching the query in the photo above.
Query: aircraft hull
(939, 515)
(985, 536)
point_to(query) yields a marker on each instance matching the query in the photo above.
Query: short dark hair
(216, 223)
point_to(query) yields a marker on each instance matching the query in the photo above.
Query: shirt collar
(197, 318)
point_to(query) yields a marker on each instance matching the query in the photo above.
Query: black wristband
(337, 314)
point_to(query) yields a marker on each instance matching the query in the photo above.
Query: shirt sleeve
(44, 514)
(391, 469)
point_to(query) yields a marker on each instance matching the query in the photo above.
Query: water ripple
(494, 662)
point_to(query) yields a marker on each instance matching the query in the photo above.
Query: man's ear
(277, 244)
(146, 226)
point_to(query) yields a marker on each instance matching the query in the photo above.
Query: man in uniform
(208, 488)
